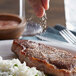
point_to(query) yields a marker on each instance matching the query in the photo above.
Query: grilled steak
(45, 58)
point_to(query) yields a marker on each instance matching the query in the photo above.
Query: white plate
(5, 49)
(6, 53)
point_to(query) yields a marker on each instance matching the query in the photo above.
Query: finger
(38, 7)
(45, 4)
(40, 11)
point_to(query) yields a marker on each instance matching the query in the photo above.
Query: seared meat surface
(45, 58)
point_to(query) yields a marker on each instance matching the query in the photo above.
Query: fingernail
(48, 4)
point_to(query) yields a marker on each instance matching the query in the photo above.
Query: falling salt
(43, 21)
(36, 25)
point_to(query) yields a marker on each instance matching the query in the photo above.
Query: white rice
(15, 68)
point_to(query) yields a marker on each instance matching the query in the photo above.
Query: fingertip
(40, 12)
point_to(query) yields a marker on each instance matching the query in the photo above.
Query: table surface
(55, 15)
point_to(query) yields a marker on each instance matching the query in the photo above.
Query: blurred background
(55, 15)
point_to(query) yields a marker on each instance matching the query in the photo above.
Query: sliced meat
(45, 58)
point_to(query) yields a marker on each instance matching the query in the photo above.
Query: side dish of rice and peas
(15, 68)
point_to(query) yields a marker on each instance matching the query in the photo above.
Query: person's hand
(39, 6)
